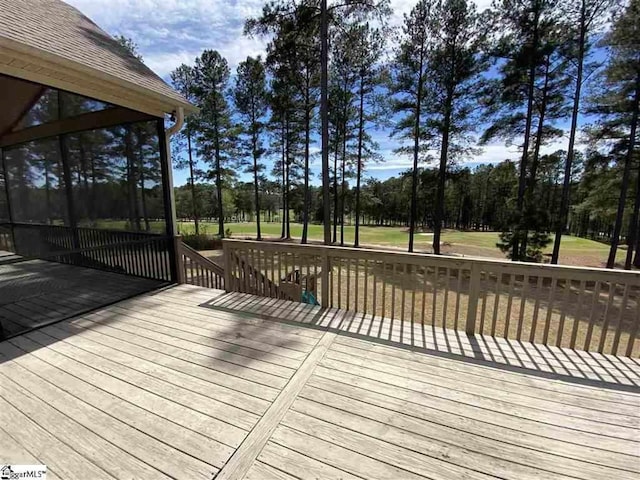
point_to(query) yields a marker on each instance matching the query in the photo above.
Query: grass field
(573, 251)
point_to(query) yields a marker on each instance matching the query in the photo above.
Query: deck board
(194, 383)
(35, 292)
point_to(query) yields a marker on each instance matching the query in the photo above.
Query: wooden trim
(239, 464)
(60, 72)
(88, 121)
(444, 261)
(24, 111)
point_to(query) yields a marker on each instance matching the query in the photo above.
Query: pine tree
(617, 102)
(294, 47)
(342, 115)
(454, 71)
(368, 49)
(183, 80)
(528, 89)
(217, 134)
(586, 18)
(408, 87)
(251, 101)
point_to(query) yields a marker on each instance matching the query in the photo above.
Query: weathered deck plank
(192, 383)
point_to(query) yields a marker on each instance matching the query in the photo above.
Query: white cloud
(171, 32)
(400, 7)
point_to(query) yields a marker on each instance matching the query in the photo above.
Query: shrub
(203, 241)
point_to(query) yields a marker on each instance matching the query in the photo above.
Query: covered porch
(86, 208)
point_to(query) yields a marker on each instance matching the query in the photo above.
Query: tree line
(525, 72)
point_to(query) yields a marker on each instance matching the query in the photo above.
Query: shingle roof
(64, 33)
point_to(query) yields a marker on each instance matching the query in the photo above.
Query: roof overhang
(43, 67)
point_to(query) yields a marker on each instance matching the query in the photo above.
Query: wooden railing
(582, 308)
(195, 269)
(130, 253)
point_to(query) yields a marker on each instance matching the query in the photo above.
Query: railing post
(326, 266)
(474, 292)
(177, 251)
(226, 254)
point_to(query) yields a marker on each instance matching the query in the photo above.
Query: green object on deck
(307, 297)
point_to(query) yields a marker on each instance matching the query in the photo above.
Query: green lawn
(574, 250)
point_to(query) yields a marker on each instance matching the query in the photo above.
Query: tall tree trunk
(324, 114)
(522, 180)
(93, 212)
(531, 187)
(143, 198)
(307, 197)
(615, 239)
(284, 178)
(255, 178)
(566, 184)
(416, 150)
(335, 189)
(356, 242)
(633, 227)
(134, 212)
(287, 179)
(194, 202)
(343, 186)
(218, 175)
(442, 172)
(47, 190)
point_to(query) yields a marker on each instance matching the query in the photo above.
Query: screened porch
(83, 205)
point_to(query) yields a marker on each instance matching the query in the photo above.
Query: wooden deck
(194, 383)
(37, 292)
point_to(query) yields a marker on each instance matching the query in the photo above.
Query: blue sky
(171, 32)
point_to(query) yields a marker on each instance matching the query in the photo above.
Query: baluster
(357, 281)
(623, 307)
(507, 321)
(523, 303)
(366, 284)
(607, 319)
(445, 307)
(384, 288)
(458, 288)
(496, 303)
(340, 282)
(563, 312)
(374, 309)
(576, 319)
(403, 295)
(331, 286)
(634, 330)
(272, 291)
(547, 326)
(536, 309)
(317, 281)
(393, 291)
(425, 271)
(484, 279)
(436, 274)
(348, 281)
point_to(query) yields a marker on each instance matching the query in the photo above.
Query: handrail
(96, 229)
(147, 257)
(565, 306)
(420, 258)
(195, 255)
(195, 269)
